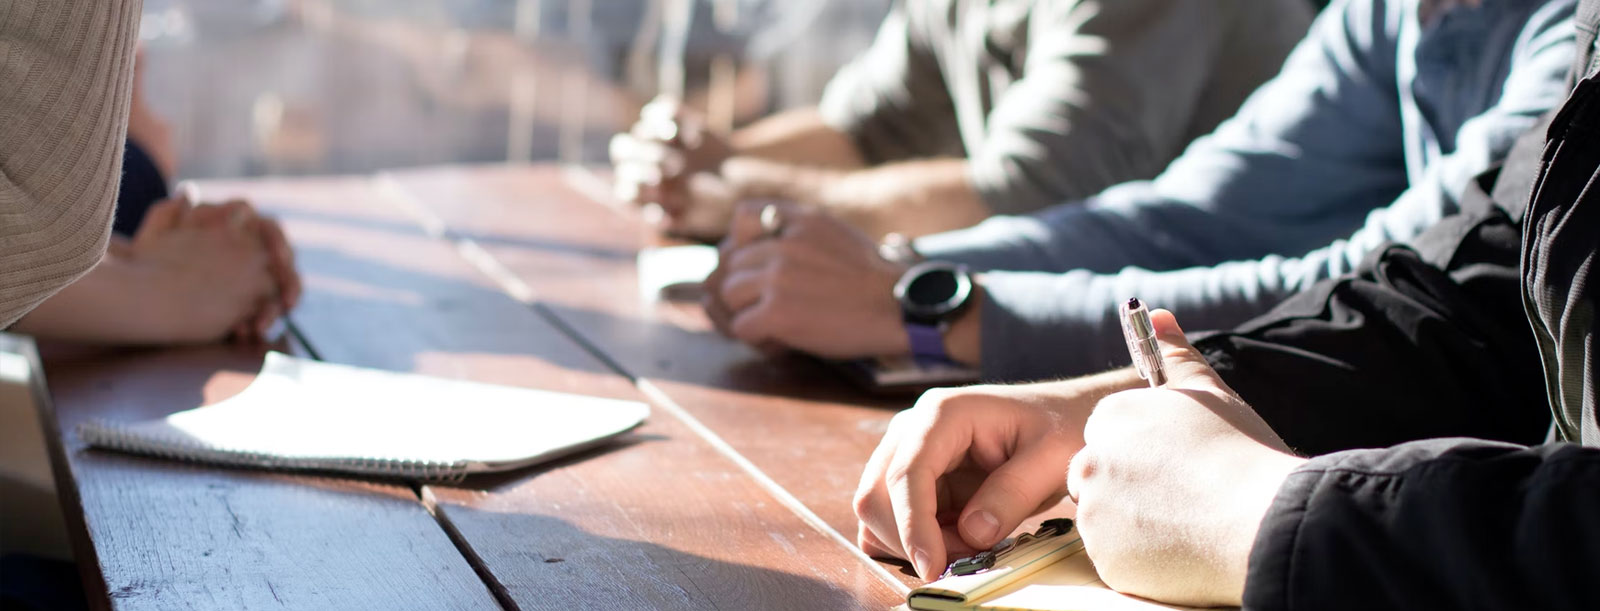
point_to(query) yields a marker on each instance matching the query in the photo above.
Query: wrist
(1263, 479)
(963, 337)
(932, 296)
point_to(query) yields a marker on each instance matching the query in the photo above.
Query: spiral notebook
(307, 415)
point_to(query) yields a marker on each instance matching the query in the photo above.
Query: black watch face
(932, 291)
(933, 288)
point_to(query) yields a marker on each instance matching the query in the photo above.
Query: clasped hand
(669, 159)
(216, 270)
(817, 286)
(1171, 484)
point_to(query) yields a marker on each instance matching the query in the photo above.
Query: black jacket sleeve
(1426, 340)
(1436, 524)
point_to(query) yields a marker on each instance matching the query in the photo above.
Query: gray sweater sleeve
(893, 101)
(1283, 177)
(1112, 90)
(67, 66)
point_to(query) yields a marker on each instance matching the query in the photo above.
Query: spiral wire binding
(107, 434)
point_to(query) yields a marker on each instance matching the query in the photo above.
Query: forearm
(1443, 523)
(913, 197)
(798, 137)
(114, 304)
(1042, 325)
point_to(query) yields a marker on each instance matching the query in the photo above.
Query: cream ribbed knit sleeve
(66, 70)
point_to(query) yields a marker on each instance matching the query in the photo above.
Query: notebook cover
(307, 415)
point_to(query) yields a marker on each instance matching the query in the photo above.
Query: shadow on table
(371, 313)
(543, 562)
(660, 350)
(409, 227)
(504, 480)
(365, 311)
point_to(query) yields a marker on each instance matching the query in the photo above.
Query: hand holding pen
(1172, 482)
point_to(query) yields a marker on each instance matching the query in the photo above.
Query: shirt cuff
(1266, 585)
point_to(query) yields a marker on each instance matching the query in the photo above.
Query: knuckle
(864, 503)
(899, 474)
(938, 400)
(1086, 465)
(1009, 488)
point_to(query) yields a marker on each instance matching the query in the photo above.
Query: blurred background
(284, 87)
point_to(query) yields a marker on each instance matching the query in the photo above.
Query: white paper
(675, 272)
(306, 414)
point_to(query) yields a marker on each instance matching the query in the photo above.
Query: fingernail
(982, 526)
(924, 568)
(190, 192)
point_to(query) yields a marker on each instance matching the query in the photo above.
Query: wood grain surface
(796, 420)
(665, 520)
(157, 534)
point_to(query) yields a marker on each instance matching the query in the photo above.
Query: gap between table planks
(667, 521)
(156, 534)
(571, 257)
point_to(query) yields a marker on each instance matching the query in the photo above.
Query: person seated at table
(962, 110)
(1376, 124)
(176, 271)
(1358, 447)
(66, 66)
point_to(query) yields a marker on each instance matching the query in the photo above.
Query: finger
(870, 544)
(744, 274)
(239, 216)
(871, 505)
(1186, 367)
(746, 226)
(721, 317)
(672, 193)
(628, 149)
(164, 216)
(1013, 492)
(660, 118)
(757, 324)
(267, 314)
(743, 289)
(1078, 473)
(207, 216)
(913, 494)
(955, 547)
(282, 262)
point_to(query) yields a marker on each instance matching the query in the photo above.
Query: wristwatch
(931, 294)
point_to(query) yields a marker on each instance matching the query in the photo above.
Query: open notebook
(306, 415)
(1046, 571)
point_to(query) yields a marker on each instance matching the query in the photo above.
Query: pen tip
(1133, 303)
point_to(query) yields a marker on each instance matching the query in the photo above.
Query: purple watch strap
(927, 342)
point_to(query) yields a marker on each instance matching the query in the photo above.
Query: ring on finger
(771, 221)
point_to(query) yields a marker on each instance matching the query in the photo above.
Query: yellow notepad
(1050, 573)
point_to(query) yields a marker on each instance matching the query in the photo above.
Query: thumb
(1013, 492)
(164, 216)
(1186, 367)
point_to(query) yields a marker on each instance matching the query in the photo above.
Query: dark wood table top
(154, 534)
(734, 495)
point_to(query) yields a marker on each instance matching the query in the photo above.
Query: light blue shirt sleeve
(1263, 207)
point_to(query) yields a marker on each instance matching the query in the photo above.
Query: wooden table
(735, 494)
